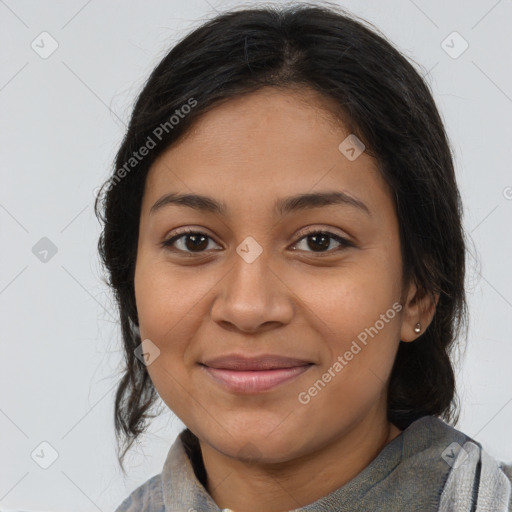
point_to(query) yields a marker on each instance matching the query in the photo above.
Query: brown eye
(319, 241)
(190, 241)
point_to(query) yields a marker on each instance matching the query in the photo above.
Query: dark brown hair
(383, 100)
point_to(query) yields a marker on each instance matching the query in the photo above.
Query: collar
(412, 456)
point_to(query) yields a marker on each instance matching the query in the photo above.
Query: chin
(259, 447)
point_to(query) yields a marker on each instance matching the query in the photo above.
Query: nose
(252, 297)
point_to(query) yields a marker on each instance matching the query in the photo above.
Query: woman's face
(259, 278)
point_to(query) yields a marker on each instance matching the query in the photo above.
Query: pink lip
(251, 382)
(263, 362)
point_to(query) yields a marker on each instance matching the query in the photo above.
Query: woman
(283, 236)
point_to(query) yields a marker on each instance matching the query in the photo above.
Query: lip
(254, 381)
(263, 362)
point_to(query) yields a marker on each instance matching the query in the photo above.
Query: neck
(276, 487)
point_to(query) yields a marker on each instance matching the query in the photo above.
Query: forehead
(270, 143)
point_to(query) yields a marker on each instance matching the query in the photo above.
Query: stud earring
(417, 328)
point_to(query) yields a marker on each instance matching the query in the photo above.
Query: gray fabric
(476, 472)
(409, 474)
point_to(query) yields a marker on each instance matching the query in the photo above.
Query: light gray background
(61, 351)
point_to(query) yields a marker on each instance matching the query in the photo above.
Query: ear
(418, 308)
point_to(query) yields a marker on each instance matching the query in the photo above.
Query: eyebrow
(282, 206)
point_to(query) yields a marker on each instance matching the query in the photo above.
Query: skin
(268, 451)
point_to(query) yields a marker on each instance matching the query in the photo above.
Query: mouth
(239, 374)
(264, 362)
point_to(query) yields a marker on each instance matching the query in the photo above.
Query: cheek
(347, 300)
(168, 310)
(165, 299)
(360, 331)
(356, 311)
(172, 306)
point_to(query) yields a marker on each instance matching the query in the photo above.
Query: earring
(417, 328)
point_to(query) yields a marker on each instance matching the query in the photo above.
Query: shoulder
(507, 470)
(147, 497)
(447, 436)
(471, 467)
(433, 441)
(151, 495)
(434, 449)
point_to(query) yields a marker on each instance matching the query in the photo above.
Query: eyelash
(344, 243)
